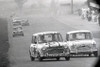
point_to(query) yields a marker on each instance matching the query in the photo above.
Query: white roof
(76, 31)
(47, 32)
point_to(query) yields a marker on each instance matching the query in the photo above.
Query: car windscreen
(56, 37)
(80, 36)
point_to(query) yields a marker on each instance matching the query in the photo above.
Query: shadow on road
(51, 60)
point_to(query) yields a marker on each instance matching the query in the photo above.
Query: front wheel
(58, 58)
(90, 55)
(39, 57)
(32, 58)
(67, 58)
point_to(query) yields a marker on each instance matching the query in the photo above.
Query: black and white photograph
(49, 33)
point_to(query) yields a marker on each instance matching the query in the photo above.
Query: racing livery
(81, 42)
(48, 45)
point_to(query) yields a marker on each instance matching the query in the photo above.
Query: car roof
(42, 33)
(76, 31)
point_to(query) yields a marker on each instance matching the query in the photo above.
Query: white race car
(48, 45)
(81, 42)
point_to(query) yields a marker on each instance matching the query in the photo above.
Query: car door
(34, 45)
(69, 43)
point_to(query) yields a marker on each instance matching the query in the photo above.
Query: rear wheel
(22, 34)
(40, 59)
(13, 35)
(67, 58)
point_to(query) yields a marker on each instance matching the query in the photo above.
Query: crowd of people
(90, 15)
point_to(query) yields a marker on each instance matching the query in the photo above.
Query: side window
(67, 37)
(34, 39)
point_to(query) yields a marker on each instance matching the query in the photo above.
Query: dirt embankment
(4, 46)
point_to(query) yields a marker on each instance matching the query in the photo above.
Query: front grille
(54, 50)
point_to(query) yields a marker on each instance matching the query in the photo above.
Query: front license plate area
(56, 54)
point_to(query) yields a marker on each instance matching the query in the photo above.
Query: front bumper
(56, 55)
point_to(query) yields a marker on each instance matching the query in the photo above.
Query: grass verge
(4, 45)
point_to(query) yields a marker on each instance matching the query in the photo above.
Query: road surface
(19, 55)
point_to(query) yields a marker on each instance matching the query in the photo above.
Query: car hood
(80, 42)
(51, 44)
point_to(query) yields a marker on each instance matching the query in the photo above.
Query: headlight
(73, 46)
(44, 48)
(94, 45)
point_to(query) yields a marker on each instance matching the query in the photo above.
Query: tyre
(96, 54)
(39, 57)
(32, 58)
(67, 58)
(58, 58)
(13, 35)
(89, 18)
(22, 34)
(90, 55)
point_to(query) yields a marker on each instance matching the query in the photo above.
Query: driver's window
(34, 40)
(67, 37)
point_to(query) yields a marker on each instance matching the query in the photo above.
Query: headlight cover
(44, 48)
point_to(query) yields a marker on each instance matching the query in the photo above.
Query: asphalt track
(19, 55)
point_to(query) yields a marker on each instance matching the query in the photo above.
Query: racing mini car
(17, 28)
(81, 42)
(48, 45)
(17, 31)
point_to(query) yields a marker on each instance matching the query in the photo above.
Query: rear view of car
(82, 42)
